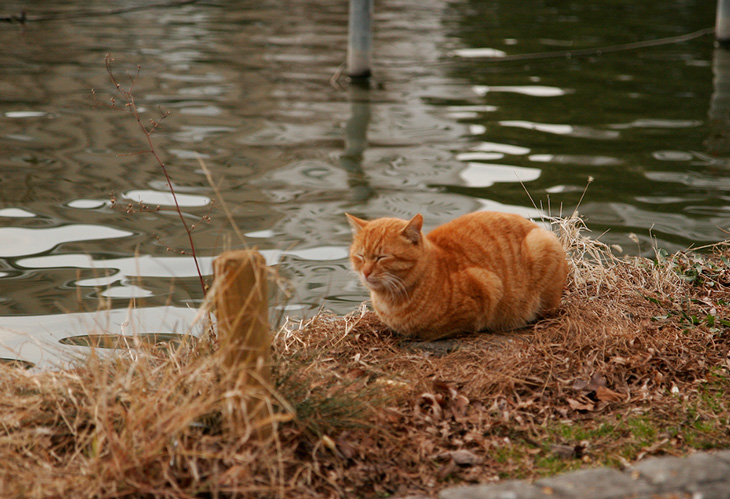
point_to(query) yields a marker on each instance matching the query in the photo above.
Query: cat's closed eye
(376, 258)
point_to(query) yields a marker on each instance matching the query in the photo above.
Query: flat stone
(699, 476)
(716, 490)
(512, 489)
(597, 483)
(724, 455)
(674, 474)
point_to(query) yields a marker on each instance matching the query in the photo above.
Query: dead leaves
(577, 405)
(593, 394)
(444, 401)
(443, 412)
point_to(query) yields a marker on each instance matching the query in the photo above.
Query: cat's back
(480, 232)
(511, 269)
(484, 270)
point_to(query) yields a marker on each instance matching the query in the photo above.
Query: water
(439, 131)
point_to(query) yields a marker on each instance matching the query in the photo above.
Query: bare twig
(128, 96)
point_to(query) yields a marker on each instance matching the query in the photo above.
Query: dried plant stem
(128, 96)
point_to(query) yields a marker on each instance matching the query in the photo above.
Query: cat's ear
(412, 232)
(357, 224)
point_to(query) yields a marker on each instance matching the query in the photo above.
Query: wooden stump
(241, 301)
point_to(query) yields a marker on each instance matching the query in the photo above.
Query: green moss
(643, 430)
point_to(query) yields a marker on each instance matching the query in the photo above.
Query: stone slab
(700, 476)
(597, 483)
(512, 489)
(675, 474)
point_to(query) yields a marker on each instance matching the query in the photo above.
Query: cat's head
(385, 251)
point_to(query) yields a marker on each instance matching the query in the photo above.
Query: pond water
(439, 130)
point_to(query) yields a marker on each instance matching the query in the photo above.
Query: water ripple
(693, 179)
(575, 159)
(560, 129)
(656, 123)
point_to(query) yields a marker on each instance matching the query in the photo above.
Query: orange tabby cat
(484, 270)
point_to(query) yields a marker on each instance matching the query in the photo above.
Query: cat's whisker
(395, 285)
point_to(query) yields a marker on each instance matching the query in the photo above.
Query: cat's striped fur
(484, 270)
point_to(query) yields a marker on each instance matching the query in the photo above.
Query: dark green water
(438, 131)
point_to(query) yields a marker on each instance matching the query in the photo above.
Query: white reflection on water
(468, 112)
(19, 137)
(321, 253)
(20, 242)
(479, 52)
(557, 129)
(86, 204)
(260, 233)
(24, 114)
(188, 154)
(672, 156)
(574, 159)
(128, 291)
(208, 110)
(484, 174)
(531, 90)
(16, 213)
(661, 199)
(479, 156)
(166, 199)
(477, 129)
(503, 148)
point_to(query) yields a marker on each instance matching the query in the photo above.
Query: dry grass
(635, 364)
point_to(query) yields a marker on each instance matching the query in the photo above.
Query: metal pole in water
(360, 38)
(722, 22)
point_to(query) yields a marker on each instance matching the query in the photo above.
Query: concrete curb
(699, 476)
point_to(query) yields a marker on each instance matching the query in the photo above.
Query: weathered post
(722, 22)
(360, 39)
(241, 303)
